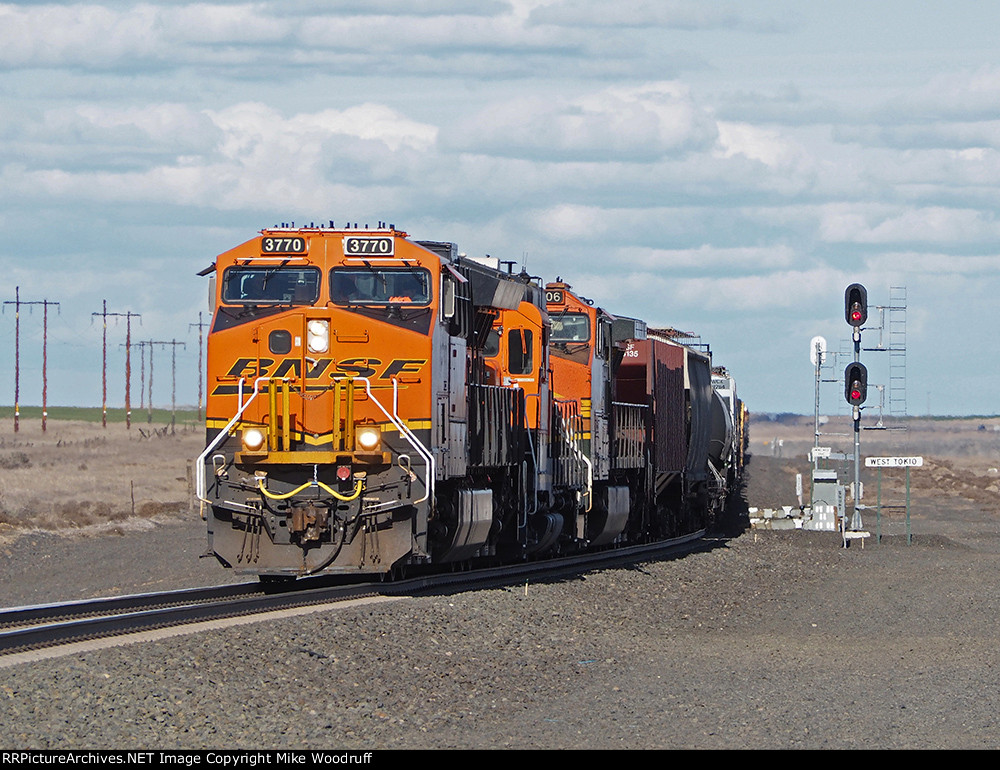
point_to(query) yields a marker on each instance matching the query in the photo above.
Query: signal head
(856, 384)
(856, 305)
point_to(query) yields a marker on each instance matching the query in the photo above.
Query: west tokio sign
(894, 462)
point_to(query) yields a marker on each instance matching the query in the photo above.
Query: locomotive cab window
(519, 351)
(491, 348)
(380, 286)
(270, 286)
(570, 327)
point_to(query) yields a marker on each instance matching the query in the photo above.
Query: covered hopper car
(377, 403)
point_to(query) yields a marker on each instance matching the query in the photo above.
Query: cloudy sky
(726, 168)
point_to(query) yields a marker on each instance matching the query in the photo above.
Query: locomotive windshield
(570, 327)
(380, 286)
(270, 285)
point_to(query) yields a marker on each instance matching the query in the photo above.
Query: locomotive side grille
(496, 425)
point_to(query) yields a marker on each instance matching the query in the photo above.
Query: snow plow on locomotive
(376, 402)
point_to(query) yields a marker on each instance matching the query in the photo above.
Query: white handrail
(200, 489)
(407, 434)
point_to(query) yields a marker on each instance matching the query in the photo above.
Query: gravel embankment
(771, 640)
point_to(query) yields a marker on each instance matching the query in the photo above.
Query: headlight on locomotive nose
(318, 336)
(253, 439)
(369, 438)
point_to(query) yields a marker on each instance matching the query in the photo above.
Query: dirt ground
(81, 480)
(954, 493)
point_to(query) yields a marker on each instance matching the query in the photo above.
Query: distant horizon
(777, 416)
(7, 411)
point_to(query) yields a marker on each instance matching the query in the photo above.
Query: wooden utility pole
(17, 303)
(173, 397)
(128, 375)
(201, 348)
(128, 365)
(17, 354)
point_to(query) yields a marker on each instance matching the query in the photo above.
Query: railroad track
(49, 625)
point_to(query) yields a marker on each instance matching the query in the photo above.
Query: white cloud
(568, 223)
(862, 223)
(911, 263)
(257, 128)
(955, 95)
(761, 144)
(676, 14)
(750, 259)
(247, 155)
(765, 294)
(159, 124)
(90, 35)
(635, 123)
(161, 34)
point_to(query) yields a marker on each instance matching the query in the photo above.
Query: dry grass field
(80, 479)
(957, 488)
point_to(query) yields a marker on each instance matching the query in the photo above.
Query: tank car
(377, 403)
(730, 436)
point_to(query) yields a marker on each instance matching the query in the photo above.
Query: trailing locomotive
(376, 403)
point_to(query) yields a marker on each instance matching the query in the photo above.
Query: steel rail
(61, 624)
(47, 613)
(40, 626)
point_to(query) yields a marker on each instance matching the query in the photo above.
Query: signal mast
(856, 383)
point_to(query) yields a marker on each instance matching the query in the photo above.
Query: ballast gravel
(770, 639)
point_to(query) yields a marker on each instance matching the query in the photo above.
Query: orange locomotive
(376, 403)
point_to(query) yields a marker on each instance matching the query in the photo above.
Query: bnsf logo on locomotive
(349, 367)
